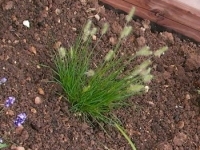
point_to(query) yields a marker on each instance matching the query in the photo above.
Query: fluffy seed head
(86, 31)
(135, 88)
(62, 52)
(93, 31)
(161, 51)
(145, 51)
(109, 55)
(90, 73)
(130, 15)
(141, 68)
(125, 32)
(147, 78)
(105, 28)
(87, 26)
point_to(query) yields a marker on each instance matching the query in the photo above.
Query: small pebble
(19, 130)
(141, 41)
(83, 2)
(41, 91)
(187, 97)
(58, 20)
(94, 37)
(180, 139)
(146, 89)
(10, 113)
(38, 66)
(168, 37)
(75, 12)
(97, 17)
(38, 100)
(33, 49)
(164, 146)
(20, 148)
(33, 110)
(9, 5)
(13, 147)
(180, 124)
(74, 29)
(146, 24)
(26, 23)
(196, 137)
(112, 40)
(57, 45)
(150, 103)
(57, 11)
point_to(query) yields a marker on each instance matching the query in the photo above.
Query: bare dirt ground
(165, 118)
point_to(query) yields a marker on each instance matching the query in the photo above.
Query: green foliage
(125, 135)
(3, 145)
(94, 93)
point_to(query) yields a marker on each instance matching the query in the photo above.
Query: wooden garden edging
(180, 15)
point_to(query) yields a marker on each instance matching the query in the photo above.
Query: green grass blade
(3, 145)
(126, 136)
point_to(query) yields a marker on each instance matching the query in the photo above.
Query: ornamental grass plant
(94, 92)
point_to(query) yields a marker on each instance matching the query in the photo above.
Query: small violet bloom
(3, 80)
(20, 119)
(1, 141)
(9, 101)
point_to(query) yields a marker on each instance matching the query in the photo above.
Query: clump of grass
(94, 93)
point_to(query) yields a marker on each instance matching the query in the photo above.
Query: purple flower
(20, 119)
(9, 101)
(3, 80)
(1, 140)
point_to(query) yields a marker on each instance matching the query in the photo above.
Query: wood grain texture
(172, 14)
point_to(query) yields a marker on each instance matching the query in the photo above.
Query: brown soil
(165, 118)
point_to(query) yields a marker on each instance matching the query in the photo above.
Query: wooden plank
(171, 14)
(192, 3)
(173, 9)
